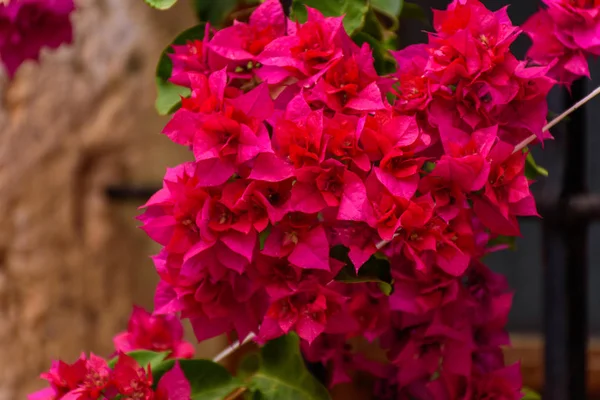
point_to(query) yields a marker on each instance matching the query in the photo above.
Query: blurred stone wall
(71, 261)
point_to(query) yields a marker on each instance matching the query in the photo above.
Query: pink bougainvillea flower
(266, 202)
(190, 58)
(351, 84)
(338, 355)
(216, 126)
(298, 136)
(414, 88)
(173, 385)
(304, 172)
(343, 143)
(506, 193)
(306, 52)
(310, 311)
(564, 35)
(27, 26)
(502, 384)
(84, 379)
(243, 42)
(370, 308)
(171, 213)
(153, 332)
(216, 302)
(300, 239)
(132, 380)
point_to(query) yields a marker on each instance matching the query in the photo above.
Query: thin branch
(236, 393)
(556, 120)
(232, 348)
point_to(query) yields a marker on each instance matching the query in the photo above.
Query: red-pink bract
(153, 332)
(27, 26)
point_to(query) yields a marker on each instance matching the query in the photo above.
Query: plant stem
(556, 120)
(232, 348)
(236, 393)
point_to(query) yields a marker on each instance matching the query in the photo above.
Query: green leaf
(144, 358)
(532, 170)
(282, 373)
(355, 11)
(390, 7)
(530, 395)
(209, 380)
(161, 4)
(168, 98)
(214, 11)
(510, 241)
(376, 269)
(372, 27)
(168, 95)
(262, 237)
(414, 11)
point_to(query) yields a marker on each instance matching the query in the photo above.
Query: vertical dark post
(565, 275)
(287, 5)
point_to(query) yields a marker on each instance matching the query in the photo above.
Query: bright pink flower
(369, 307)
(350, 84)
(298, 136)
(344, 132)
(506, 193)
(302, 240)
(171, 213)
(414, 90)
(424, 350)
(312, 310)
(338, 356)
(173, 385)
(191, 57)
(131, 380)
(564, 35)
(153, 332)
(419, 293)
(242, 42)
(307, 51)
(216, 300)
(503, 384)
(216, 126)
(27, 26)
(265, 202)
(85, 379)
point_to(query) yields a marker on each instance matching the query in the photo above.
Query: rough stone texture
(71, 262)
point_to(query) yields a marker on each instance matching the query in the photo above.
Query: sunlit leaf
(355, 11)
(282, 374)
(161, 4)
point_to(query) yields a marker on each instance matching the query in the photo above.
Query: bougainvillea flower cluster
(304, 173)
(92, 378)
(565, 34)
(27, 26)
(153, 332)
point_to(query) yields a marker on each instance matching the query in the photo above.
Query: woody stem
(556, 120)
(232, 348)
(236, 393)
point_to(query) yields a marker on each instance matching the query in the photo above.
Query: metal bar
(565, 275)
(130, 192)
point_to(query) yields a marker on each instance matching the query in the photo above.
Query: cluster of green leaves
(276, 372)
